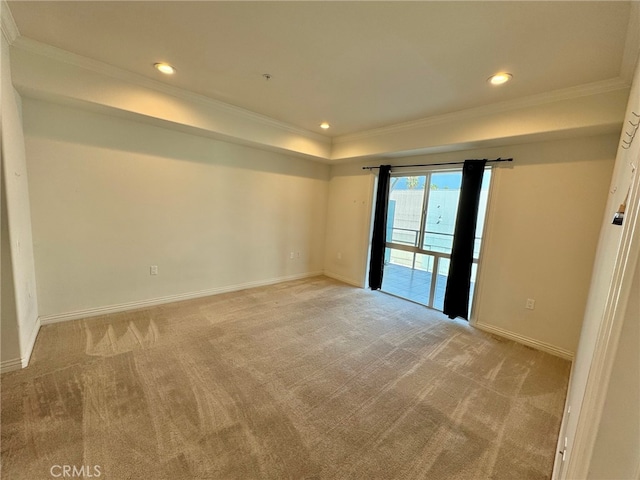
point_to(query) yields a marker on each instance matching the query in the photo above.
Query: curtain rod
(440, 164)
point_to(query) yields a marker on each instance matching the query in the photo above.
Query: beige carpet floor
(310, 379)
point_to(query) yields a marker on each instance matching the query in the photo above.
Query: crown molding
(9, 27)
(30, 46)
(570, 93)
(95, 66)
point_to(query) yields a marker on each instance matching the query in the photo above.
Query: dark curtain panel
(456, 297)
(379, 237)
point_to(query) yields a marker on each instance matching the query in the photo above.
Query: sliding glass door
(421, 221)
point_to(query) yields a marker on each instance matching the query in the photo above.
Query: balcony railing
(432, 257)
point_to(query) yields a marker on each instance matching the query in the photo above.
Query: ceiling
(357, 65)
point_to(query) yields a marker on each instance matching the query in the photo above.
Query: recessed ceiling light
(324, 125)
(500, 78)
(165, 68)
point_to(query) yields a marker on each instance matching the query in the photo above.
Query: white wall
(616, 452)
(110, 197)
(19, 302)
(542, 232)
(348, 223)
(600, 332)
(10, 338)
(544, 217)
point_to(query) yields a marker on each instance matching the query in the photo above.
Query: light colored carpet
(311, 379)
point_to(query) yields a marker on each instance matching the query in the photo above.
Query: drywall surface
(21, 310)
(112, 197)
(616, 453)
(542, 232)
(529, 122)
(596, 336)
(48, 72)
(348, 223)
(10, 338)
(545, 212)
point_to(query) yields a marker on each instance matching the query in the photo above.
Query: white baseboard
(342, 279)
(10, 365)
(538, 345)
(123, 307)
(18, 363)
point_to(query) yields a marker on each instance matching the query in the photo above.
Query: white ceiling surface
(357, 65)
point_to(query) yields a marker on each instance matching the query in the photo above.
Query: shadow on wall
(10, 334)
(121, 132)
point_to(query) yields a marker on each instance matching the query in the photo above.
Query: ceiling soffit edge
(48, 51)
(578, 91)
(474, 145)
(95, 66)
(54, 53)
(9, 27)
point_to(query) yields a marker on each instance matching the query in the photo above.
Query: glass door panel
(404, 218)
(408, 275)
(482, 212)
(442, 208)
(441, 283)
(420, 225)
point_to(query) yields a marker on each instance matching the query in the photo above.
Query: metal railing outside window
(404, 252)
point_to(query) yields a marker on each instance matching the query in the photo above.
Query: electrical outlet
(339, 255)
(153, 270)
(531, 304)
(291, 255)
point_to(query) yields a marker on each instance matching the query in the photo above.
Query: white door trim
(606, 345)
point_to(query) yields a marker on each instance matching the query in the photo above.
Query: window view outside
(420, 225)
